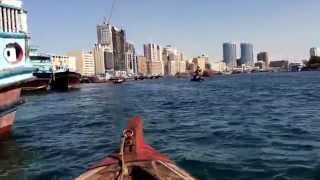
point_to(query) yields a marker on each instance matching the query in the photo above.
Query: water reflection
(13, 159)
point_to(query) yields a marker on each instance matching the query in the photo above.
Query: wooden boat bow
(135, 160)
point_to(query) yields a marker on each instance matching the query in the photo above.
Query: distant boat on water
(196, 76)
(15, 68)
(118, 80)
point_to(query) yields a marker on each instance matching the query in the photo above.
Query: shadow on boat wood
(135, 160)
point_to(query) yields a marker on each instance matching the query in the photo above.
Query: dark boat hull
(197, 79)
(64, 81)
(40, 83)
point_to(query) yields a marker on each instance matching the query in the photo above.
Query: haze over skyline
(287, 29)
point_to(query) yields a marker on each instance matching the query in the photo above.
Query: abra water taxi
(135, 160)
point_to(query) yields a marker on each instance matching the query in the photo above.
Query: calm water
(262, 126)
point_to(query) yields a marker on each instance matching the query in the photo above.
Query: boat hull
(40, 83)
(64, 81)
(37, 85)
(135, 160)
(9, 100)
(6, 123)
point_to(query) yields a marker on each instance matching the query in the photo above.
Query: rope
(124, 169)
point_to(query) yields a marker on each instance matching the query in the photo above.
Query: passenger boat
(197, 75)
(197, 78)
(43, 72)
(65, 80)
(15, 68)
(118, 80)
(135, 160)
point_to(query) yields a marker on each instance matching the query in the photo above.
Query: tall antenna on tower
(111, 12)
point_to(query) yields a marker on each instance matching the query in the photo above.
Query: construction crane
(111, 11)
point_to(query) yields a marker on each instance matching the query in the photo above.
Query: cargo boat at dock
(15, 68)
(43, 72)
(65, 80)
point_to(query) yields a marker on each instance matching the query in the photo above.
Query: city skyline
(280, 28)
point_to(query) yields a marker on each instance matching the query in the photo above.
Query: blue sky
(284, 28)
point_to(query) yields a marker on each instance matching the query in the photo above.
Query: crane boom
(111, 11)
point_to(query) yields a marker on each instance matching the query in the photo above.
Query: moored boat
(43, 72)
(135, 160)
(65, 80)
(15, 68)
(118, 80)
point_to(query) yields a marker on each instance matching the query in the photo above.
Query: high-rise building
(173, 61)
(247, 54)
(201, 62)
(104, 34)
(264, 57)
(131, 63)
(315, 52)
(142, 65)
(112, 42)
(230, 54)
(153, 53)
(85, 62)
(118, 40)
(183, 66)
(99, 59)
(154, 68)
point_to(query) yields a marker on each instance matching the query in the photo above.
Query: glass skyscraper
(247, 54)
(230, 54)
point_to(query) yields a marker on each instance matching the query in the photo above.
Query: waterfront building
(109, 60)
(282, 65)
(154, 68)
(63, 63)
(99, 60)
(172, 68)
(119, 40)
(131, 60)
(142, 65)
(104, 34)
(183, 66)
(201, 62)
(173, 61)
(112, 42)
(263, 57)
(84, 62)
(218, 66)
(153, 53)
(247, 54)
(230, 54)
(315, 52)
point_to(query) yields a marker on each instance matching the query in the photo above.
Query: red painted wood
(140, 150)
(6, 123)
(10, 97)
